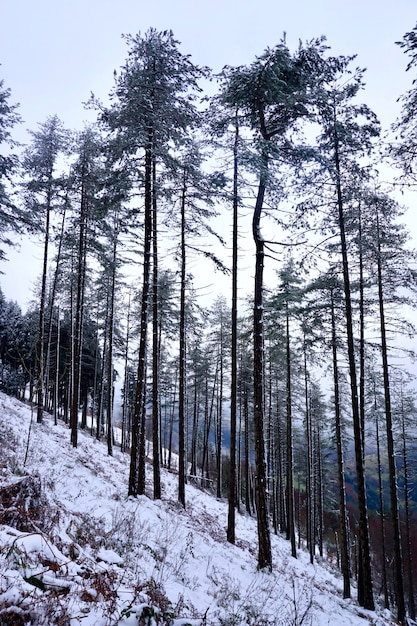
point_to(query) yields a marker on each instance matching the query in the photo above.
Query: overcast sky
(53, 53)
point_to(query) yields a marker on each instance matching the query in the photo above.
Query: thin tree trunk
(239, 462)
(399, 577)
(361, 338)
(290, 461)
(171, 421)
(100, 402)
(182, 364)
(206, 463)
(381, 509)
(281, 472)
(231, 522)
(247, 446)
(319, 491)
(206, 434)
(56, 402)
(54, 288)
(137, 459)
(95, 380)
(81, 269)
(270, 461)
(411, 602)
(220, 420)
(142, 443)
(309, 477)
(110, 350)
(365, 591)
(41, 340)
(344, 548)
(194, 433)
(125, 407)
(155, 346)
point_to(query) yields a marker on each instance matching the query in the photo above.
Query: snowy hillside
(86, 555)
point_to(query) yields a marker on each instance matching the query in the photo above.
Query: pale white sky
(53, 53)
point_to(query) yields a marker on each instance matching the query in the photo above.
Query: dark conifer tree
(386, 240)
(10, 214)
(272, 95)
(42, 194)
(191, 212)
(87, 184)
(286, 302)
(404, 147)
(153, 105)
(347, 133)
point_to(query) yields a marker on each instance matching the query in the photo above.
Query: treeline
(296, 405)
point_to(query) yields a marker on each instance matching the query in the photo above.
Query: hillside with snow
(76, 551)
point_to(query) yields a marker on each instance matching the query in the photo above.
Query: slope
(74, 550)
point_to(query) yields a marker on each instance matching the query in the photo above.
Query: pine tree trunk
(194, 433)
(206, 433)
(231, 522)
(264, 540)
(171, 421)
(182, 363)
(281, 473)
(58, 346)
(125, 407)
(344, 548)
(399, 578)
(381, 510)
(365, 591)
(239, 460)
(411, 602)
(41, 340)
(137, 458)
(270, 460)
(110, 350)
(319, 492)
(220, 423)
(247, 446)
(290, 461)
(361, 339)
(100, 400)
(309, 476)
(142, 444)
(79, 306)
(209, 422)
(52, 296)
(155, 346)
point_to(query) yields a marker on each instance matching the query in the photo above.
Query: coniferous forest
(293, 395)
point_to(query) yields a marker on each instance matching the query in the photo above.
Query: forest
(293, 397)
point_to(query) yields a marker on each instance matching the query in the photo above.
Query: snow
(102, 558)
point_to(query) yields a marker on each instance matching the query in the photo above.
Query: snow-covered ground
(94, 557)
